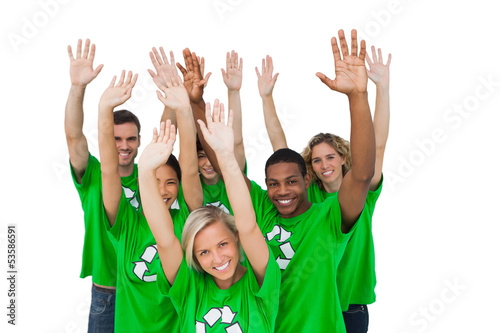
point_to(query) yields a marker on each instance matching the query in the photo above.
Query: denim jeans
(356, 318)
(102, 310)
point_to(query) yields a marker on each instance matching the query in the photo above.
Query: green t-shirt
(99, 255)
(216, 195)
(244, 307)
(308, 249)
(139, 305)
(356, 278)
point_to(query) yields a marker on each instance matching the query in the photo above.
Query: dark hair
(125, 116)
(198, 144)
(286, 155)
(174, 164)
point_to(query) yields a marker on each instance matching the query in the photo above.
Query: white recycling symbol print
(129, 194)
(219, 205)
(285, 247)
(141, 267)
(225, 314)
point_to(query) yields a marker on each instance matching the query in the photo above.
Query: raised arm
(379, 74)
(163, 66)
(195, 83)
(114, 95)
(81, 73)
(220, 137)
(266, 83)
(351, 79)
(156, 212)
(175, 97)
(232, 77)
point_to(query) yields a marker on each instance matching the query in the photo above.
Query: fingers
(270, 66)
(155, 135)
(343, 43)
(354, 43)
(205, 80)
(182, 69)
(195, 64)
(122, 77)
(230, 118)
(79, 49)
(162, 132)
(335, 50)
(113, 80)
(70, 53)
(362, 51)
(188, 59)
(389, 57)
(154, 58)
(86, 49)
(330, 83)
(216, 111)
(164, 55)
(257, 71)
(374, 54)
(98, 70)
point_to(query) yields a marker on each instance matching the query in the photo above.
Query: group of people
(191, 244)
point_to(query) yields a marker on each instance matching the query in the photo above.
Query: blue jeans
(356, 318)
(102, 310)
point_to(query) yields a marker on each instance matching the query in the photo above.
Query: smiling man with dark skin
(308, 240)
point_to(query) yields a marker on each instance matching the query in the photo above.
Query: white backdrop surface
(435, 227)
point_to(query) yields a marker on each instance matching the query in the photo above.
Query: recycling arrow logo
(129, 194)
(218, 204)
(141, 267)
(285, 247)
(226, 316)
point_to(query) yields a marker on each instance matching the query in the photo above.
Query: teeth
(284, 202)
(223, 267)
(327, 173)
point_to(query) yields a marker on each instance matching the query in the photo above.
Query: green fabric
(356, 278)
(139, 305)
(244, 307)
(99, 255)
(216, 195)
(308, 249)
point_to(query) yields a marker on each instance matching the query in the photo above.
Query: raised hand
(378, 72)
(350, 70)
(218, 135)
(118, 94)
(159, 150)
(266, 81)
(232, 76)
(194, 81)
(175, 94)
(81, 68)
(161, 64)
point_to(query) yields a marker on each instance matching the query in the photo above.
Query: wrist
(357, 96)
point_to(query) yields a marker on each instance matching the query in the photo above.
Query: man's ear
(307, 180)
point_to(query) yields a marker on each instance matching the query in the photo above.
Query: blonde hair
(341, 146)
(198, 220)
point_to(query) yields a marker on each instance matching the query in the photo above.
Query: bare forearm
(273, 124)
(381, 116)
(234, 103)
(362, 138)
(188, 158)
(199, 114)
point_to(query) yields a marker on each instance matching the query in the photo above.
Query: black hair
(174, 164)
(286, 155)
(125, 116)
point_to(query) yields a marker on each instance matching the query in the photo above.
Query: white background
(435, 226)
